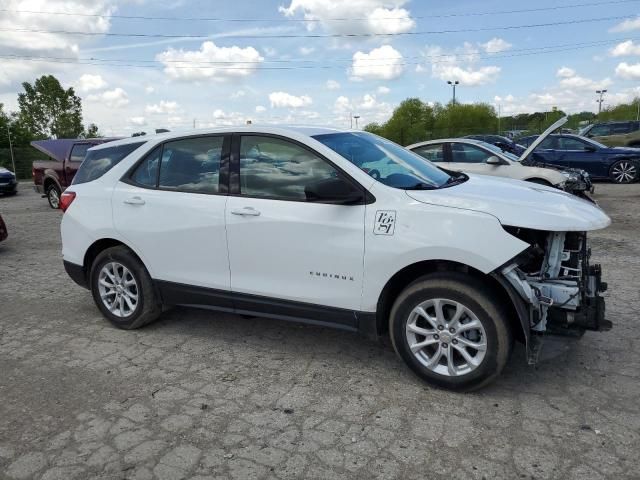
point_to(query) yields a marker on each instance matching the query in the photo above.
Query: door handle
(246, 212)
(134, 201)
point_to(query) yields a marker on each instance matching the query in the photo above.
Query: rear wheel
(449, 329)
(53, 195)
(624, 171)
(123, 290)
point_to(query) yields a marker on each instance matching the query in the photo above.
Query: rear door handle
(134, 201)
(246, 211)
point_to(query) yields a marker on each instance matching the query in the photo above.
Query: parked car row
(339, 228)
(8, 182)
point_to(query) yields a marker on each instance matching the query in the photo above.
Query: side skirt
(246, 304)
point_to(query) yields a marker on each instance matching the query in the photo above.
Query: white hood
(519, 204)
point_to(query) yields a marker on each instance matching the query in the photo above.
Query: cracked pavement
(206, 395)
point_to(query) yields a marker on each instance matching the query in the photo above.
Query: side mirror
(334, 190)
(590, 148)
(493, 160)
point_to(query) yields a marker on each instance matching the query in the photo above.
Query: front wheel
(450, 330)
(53, 196)
(123, 290)
(623, 171)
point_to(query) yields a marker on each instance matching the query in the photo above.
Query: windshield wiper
(420, 186)
(456, 180)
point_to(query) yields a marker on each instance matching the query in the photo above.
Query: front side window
(191, 165)
(600, 131)
(101, 160)
(387, 162)
(275, 168)
(433, 153)
(465, 153)
(79, 151)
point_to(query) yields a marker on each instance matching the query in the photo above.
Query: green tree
(460, 119)
(92, 131)
(4, 123)
(410, 122)
(48, 110)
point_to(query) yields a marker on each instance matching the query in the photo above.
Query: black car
(618, 164)
(8, 182)
(503, 143)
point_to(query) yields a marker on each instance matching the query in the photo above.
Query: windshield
(386, 161)
(504, 153)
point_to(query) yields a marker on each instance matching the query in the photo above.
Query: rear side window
(433, 153)
(146, 174)
(192, 165)
(98, 162)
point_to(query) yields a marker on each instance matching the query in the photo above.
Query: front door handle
(246, 212)
(134, 201)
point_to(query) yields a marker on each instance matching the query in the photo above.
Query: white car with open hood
(290, 223)
(474, 156)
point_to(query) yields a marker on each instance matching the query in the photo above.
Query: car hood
(518, 204)
(623, 151)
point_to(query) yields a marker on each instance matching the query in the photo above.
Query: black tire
(148, 307)
(53, 196)
(540, 181)
(624, 171)
(476, 297)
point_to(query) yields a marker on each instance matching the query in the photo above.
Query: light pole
(356, 117)
(13, 162)
(601, 93)
(453, 84)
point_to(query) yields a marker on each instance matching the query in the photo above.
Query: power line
(315, 20)
(247, 63)
(329, 35)
(198, 65)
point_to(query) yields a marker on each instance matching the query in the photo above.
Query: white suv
(288, 223)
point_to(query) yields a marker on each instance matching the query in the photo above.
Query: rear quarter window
(100, 161)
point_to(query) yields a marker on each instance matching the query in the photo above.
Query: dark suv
(615, 134)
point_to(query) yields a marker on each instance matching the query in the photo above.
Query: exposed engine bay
(558, 284)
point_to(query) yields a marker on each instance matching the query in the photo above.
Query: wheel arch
(407, 275)
(48, 181)
(99, 246)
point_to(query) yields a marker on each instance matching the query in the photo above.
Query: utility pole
(356, 117)
(601, 93)
(13, 162)
(194, 123)
(351, 120)
(499, 108)
(453, 84)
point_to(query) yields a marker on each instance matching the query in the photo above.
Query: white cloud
(565, 72)
(89, 83)
(459, 64)
(628, 71)
(625, 49)
(627, 25)
(383, 63)
(368, 107)
(220, 117)
(210, 62)
(306, 50)
(332, 85)
(368, 16)
(238, 94)
(571, 80)
(496, 45)
(269, 51)
(342, 105)
(286, 100)
(261, 109)
(382, 90)
(162, 107)
(149, 89)
(138, 121)
(115, 98)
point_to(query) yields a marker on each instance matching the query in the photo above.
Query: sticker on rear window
(385, 222)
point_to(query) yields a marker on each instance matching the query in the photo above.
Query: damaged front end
(560, 289)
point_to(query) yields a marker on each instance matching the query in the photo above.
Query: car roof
(471, 141)
(285, 130)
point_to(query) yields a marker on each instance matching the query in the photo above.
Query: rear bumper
(77, 273)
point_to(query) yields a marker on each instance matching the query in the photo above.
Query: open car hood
(541, 137)
(519, 204)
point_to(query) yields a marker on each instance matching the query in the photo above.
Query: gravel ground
(205, 395)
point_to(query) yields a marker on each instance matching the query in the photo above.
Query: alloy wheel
(446, 337)
(54, 197)
(118, 289)
(624, 172)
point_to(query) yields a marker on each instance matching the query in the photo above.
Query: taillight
(66, 199)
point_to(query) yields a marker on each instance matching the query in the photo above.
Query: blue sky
(287, 61)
